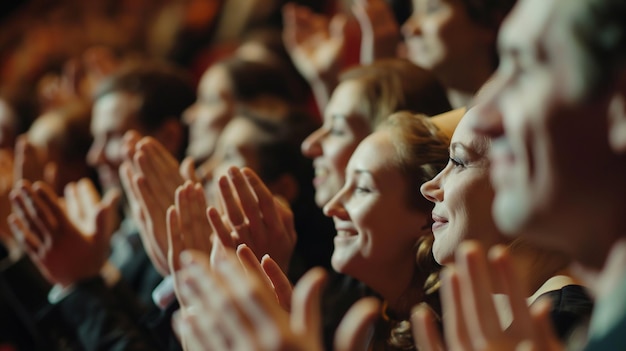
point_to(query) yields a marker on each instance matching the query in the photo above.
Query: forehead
(240, 131)
(376, 153)
(465, 135)
(115, 112)
(346, 99)
(215, 79)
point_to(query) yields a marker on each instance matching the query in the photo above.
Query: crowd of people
(313, 175)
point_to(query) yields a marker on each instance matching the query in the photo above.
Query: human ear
(617, 117)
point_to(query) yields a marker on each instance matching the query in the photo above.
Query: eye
(433, 6)
(456, 162)
(337, 131)
(362, 190)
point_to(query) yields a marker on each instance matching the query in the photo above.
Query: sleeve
(100, 321)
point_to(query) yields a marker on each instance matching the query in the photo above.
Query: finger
(265, 200)
(45, 210)
(156, 180)
(501, 262)
(51, 175)
(545, 337)
(159, 162)
(106, 216)
(231, 299)
(305, 305)
(337, 26)
(252, 266)
(454, 321)
(250, 304)
(475, 277)
(282, 285)
(357, 327)
(231, 205)
(425, 331)
(22, 234)
(200, 230)
(220, 230)
(129, 141)
(72, 205)
(175, 244)
(185, 213)
(248, 203)
(88, 196)
(187, 170)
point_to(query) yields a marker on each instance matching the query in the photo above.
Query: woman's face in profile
(331, 146)
(376, 226)
(462, 195)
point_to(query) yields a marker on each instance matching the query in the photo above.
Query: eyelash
(335, 131)
(360, 189)
(456, 162)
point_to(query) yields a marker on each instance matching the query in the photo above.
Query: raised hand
(380, 33)
(187, 224)
(31, 166)
(255, 217)
(470, 318)
(315, 45)
(234, 310)
(6, 183)
(66, 245)
(150, 176)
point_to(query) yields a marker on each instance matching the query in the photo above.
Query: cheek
(113, 151)
(338, 156)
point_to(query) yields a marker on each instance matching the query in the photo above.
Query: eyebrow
(470, 150)
(363, 171)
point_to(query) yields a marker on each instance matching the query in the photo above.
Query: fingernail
(186, 258)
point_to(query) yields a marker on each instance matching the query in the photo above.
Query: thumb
(51, 175)
(337, 25)
(107, 215)
(356, 328)
(305, 304)
(187, 170)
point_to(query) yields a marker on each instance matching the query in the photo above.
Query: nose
(311, 146)
(412, 27)
(95, 155)
(432, 190)
(189, 115)
(206, 170)
(335, 207)
(487, 117)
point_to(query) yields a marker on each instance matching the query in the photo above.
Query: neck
(535, 269)
(401, 290)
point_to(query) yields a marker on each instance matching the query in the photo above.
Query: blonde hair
(421, 153)
(396, 84)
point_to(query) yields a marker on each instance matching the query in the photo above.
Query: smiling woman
(366, 96)
(463, 196)
(382, 182)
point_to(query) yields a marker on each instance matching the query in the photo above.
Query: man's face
(113, 115)
(550, 152)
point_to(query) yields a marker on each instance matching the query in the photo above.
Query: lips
(345, 233)
(320, 175)
(439, 222)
